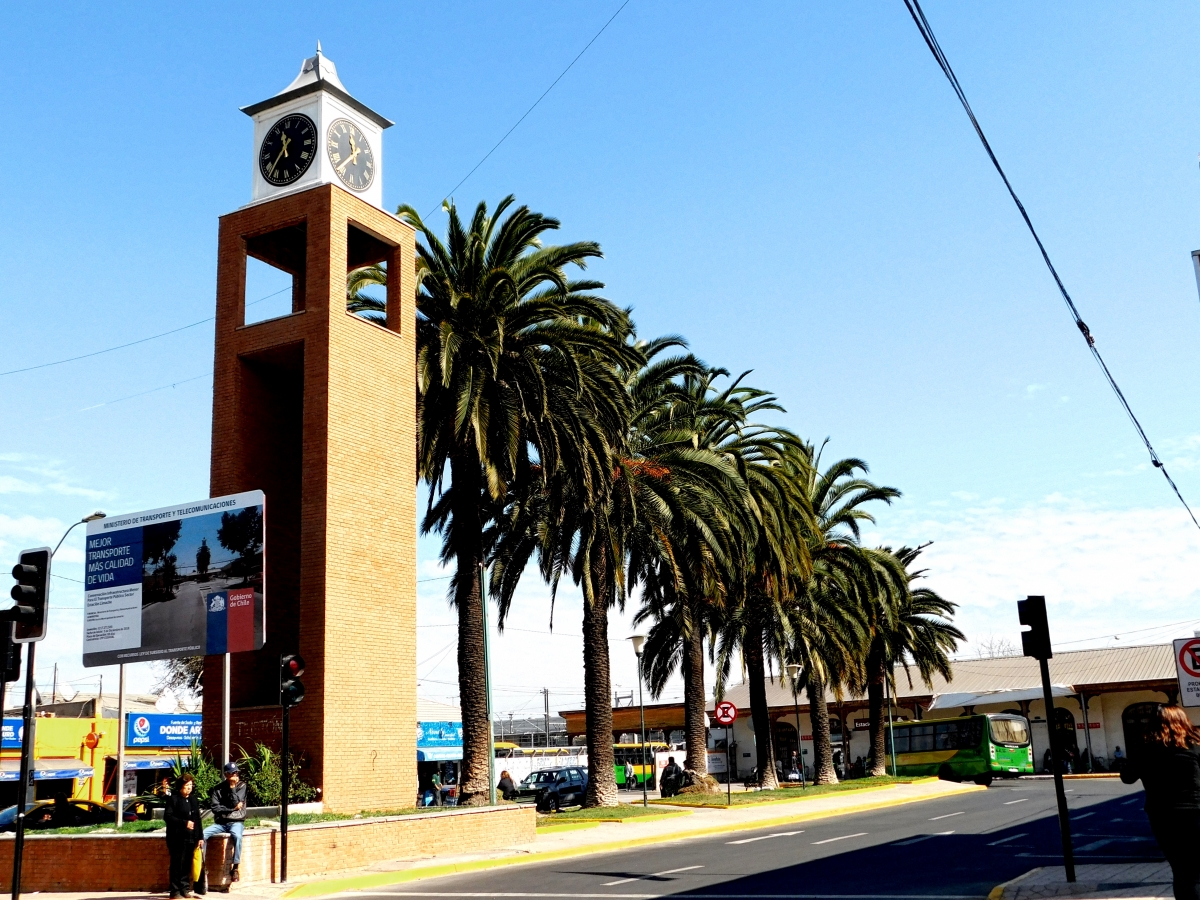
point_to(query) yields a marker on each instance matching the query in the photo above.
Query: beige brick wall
(345, 574)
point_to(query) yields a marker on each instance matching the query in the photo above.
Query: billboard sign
(183, 580)
(1187, 667)
(12, 732)
(160, 730)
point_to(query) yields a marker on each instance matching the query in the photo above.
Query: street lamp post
(794, 674)
(638, 640)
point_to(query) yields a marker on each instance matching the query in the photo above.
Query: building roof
(317, 73)
(1088, 670)
(432, 711)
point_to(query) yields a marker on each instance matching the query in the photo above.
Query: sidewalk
(1132, 881)
(676, 823)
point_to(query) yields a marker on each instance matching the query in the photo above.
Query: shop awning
(439, 754)
(137, 763)
(983, 698)
(45, 769)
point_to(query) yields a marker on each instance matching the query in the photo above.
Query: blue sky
(792, 187)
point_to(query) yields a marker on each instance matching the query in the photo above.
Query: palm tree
(686, 574)
(508, 374)
(358, 301)
(827, 625)
(905, 626)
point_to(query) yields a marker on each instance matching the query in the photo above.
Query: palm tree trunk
(474, 789)
(877, 763)
(818, 714)
(597, 686)
(756, 672)
(694, 717)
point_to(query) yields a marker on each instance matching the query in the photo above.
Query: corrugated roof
(1093, 669)
(432, 711)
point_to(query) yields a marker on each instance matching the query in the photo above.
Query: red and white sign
(725, 713)
(1079, 725)
(1187, 667)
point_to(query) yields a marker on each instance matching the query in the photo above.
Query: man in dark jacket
(672, 779)
(228, 802)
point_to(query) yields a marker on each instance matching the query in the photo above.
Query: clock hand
(349, 159)
(282, 154)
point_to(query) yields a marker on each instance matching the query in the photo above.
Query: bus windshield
(1013, 732)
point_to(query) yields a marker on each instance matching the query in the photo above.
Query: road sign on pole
(725, 713)
(1187, 667)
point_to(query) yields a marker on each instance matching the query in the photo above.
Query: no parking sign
(1187, 666)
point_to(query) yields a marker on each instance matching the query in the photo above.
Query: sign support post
(728, 768)
(725, 714)
(121, 736)
(225, 748)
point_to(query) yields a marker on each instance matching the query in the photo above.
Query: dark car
(42, 814)
(561, 788)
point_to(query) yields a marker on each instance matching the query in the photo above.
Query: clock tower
(317, 408)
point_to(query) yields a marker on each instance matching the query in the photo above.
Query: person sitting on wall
(228, 802)
(507, 789)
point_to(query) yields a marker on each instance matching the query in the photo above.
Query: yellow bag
(197, 863)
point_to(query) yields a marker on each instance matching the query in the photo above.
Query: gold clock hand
(349, 159)
(282, 153)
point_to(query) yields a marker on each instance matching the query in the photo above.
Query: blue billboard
(13, 729)
(162, 730)
(439, 741)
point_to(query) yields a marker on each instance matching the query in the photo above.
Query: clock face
(350, 154)
(288, 149)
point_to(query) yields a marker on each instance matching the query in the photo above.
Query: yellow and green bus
(633, 754)
(978, 747)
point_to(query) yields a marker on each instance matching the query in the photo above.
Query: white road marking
(923, 837)
(961, 812)
(1007, 839)
(1095, 845)
(1084, 816)
(842, 838)
(1131, 802)
(765, 837)
(651, 875)
(1011, 802)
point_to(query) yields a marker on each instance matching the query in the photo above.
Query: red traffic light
(293, 665)
(291, 689)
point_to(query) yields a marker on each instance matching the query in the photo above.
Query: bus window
(946, 736)
(901, 739)
(921, 738)
(1012, 732)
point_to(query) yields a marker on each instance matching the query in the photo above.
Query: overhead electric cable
(450, 193)
(918, 16)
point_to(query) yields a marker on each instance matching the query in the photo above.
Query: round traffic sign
(725, 713)
(1189, 657)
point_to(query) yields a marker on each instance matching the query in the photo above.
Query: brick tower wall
(318, 408)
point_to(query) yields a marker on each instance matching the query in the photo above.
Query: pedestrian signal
(291, 688)
(1036, 641)
(32, 593)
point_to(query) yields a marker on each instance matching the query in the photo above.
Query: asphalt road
(952, 849)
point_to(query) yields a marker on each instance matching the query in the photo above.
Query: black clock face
(288, 149)
(350, 154)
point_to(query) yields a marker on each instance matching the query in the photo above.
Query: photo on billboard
(184, 580)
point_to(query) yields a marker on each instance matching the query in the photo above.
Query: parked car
(42, 814)
(533, 784)
(564, 787)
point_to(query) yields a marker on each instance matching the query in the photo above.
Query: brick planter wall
(138, 862)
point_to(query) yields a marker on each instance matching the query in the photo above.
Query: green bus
(976, 747)
(633, 753)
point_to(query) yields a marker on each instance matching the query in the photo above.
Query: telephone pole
(546, 698)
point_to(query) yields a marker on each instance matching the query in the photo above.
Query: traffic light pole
(26, 775)
(285, 765)
(1064, 822)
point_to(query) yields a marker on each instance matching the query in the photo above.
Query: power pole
(546, 698)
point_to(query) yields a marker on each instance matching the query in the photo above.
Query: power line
(450, 193)
(918, 16)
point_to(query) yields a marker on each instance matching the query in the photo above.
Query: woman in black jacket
(1169, 767)
(182, 815)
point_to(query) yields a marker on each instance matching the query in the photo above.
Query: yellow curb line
(360, 882)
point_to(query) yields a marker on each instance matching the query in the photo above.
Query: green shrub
(206, 774)
(262, 773)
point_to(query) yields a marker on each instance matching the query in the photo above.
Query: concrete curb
(382, 879)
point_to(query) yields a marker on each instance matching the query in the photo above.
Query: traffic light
(10, 655)
(291, 688)
(32, 593)
(1036, 641)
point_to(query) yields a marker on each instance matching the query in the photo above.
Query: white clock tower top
(313, 132)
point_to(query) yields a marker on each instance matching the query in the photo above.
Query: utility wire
(450, 193)
(918, 16)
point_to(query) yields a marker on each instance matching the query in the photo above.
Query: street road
(952, 849)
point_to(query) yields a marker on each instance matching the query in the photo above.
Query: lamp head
(793, 670)
(94, 516)
(638, 641)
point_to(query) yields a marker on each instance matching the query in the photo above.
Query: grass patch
(126, 828)
(597, 814)
(752, 798)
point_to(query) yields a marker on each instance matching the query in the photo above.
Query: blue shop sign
(162, 730)
(432, 735)
(13, 729)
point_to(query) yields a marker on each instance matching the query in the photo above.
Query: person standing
(627, 776)
(1169, 768)
(182, 815)
(669, 783)
(228, 802)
